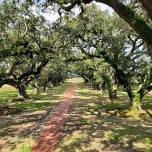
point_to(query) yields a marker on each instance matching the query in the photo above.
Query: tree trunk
(45, 88)
(22, 92)
(36, 90)
(136, 102)
(112, 90)
(147, 5)
(135, 21)
(112, 85)
(36, 87)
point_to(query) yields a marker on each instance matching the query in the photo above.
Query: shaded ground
(18, 131)
(96, 125)
(48, 139)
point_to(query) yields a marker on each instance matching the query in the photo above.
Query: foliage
(107, 37)
(28, 43)
(128, 10)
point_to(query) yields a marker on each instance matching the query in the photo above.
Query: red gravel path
(50, 134)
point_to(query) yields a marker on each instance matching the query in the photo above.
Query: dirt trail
(48, 139)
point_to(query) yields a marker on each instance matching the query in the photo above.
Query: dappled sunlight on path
(50, 134)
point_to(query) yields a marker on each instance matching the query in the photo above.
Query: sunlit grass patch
(7, 96)
(36, 102)
(23, 145)
(71, 143)
(26, 146)
(34, 105)
(145, 143)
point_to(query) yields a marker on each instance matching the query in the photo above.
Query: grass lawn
(18, 131)
(94, 125)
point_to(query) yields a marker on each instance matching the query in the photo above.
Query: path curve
(48, 139)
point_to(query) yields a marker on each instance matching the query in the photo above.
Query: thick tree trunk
(136, 102)
(112, 90)
(36, 89)
(112, 86)
(45, 88)
(134, 99)
(135, 105)
(22, 92)
(147, 5)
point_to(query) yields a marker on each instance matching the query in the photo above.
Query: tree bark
(112, 84)
(128, 14)
(135, 21)
(147, 6)
(22, 92)
(36, 89)
(112, 91)
(136, 102)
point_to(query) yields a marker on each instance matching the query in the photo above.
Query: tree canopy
(130, 10)
(111, 52)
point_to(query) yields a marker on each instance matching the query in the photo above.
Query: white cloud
(51, 14)
(104, 7)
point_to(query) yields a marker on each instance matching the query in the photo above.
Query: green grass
(7, 96)
(37, 102)
(96, 124)
(25, 147)
(14, 129)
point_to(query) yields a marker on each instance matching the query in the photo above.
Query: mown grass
(96, 124)
(36, 102)
(16, 129)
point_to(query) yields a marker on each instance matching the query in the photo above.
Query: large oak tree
(107, 37)
(126, 9)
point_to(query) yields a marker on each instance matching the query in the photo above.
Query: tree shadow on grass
(91, 128)
(14, 129)
(20, 127)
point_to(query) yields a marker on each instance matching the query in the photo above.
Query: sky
(54, 15)
(51, 16)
